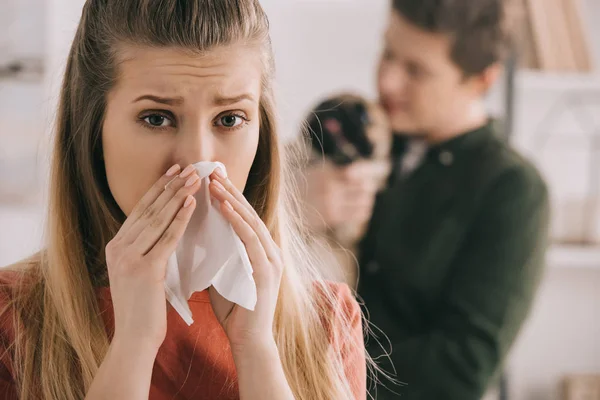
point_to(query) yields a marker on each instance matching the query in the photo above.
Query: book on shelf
(554, 37)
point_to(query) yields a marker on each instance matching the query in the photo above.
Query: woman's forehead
(223, 73)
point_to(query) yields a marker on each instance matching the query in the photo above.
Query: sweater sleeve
(488, 296)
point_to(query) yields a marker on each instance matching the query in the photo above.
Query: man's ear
(483, 82)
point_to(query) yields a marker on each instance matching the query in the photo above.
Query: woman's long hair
(61, 339)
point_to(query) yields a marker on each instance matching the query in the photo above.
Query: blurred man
(454, 250)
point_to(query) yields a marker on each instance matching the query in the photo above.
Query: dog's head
(346, 128)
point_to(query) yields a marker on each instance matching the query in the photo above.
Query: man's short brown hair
(481, 30)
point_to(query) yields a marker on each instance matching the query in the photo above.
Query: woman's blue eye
(230, 121)
(157, 120)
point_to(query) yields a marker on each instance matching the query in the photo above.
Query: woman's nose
(195, 146)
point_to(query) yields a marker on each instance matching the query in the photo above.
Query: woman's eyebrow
(218, 100)
(225, 100)
(170, 101)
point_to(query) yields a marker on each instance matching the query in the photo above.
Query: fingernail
(188, 201)
(173, 170)
(192, 180)
(219, 172)
(187, 171)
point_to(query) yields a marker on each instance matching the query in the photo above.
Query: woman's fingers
(242, 207)
(219, 176)
(169, 239)
(149, 198)
(223, 190)
(155, 228)
(248, 236)
(152, 215)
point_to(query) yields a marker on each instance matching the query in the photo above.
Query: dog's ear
(363, 113)
(355, 120)
(379, 131)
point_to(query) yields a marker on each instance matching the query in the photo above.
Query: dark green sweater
(450, 266)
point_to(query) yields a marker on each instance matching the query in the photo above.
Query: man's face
(422, 90)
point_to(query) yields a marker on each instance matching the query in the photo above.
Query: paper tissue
(210, 253)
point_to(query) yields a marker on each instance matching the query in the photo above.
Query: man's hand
(337, 196)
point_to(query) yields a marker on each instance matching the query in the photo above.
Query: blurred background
(550, 104)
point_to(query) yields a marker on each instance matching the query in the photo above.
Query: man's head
(440, 58)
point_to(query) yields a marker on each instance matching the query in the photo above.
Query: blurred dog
(347, 128)
(344, 129)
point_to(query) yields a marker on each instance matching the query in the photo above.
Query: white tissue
(210, 253)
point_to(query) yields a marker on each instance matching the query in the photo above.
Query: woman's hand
(137, 258)
(258, 365)
(245, 329)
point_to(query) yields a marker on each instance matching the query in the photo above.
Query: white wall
(21, 232)
(15, 32)
(561, 337)
(21, 102)
(323, 47)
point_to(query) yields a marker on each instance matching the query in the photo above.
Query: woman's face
(169, 107)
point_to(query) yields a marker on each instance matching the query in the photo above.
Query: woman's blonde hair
(61, 338)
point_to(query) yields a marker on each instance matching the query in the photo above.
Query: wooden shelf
(556, 81)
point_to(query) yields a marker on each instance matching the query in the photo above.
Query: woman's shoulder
(341, 312)
(14, 279)
(339, 295)
(10, 276)
(24, 264)
(13, 275)
(344, 324)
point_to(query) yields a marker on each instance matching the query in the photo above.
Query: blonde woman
(150, 88)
